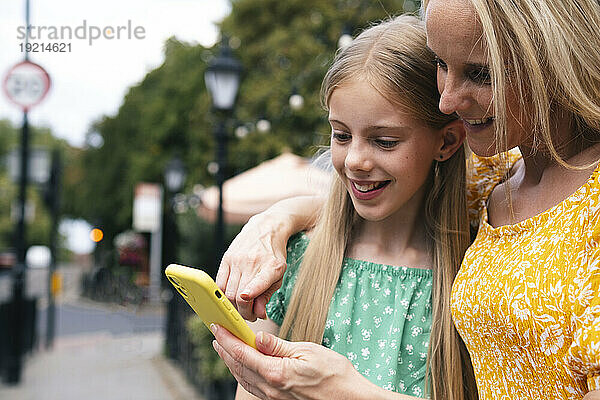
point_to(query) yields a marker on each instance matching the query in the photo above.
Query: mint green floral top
(379, 318)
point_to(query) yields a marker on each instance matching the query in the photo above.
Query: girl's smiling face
(383, 156)
(464, 82)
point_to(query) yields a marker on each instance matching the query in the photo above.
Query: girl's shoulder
(483, 174)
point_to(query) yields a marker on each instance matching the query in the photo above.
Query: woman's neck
(571, 146)
(540, 182)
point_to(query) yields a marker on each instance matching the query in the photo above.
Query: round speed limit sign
(26, 84)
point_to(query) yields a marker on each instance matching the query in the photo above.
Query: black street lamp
(222, 79)
(174, 176)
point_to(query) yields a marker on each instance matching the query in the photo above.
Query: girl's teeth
(366, 188)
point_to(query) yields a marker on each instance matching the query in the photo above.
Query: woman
(526, 300)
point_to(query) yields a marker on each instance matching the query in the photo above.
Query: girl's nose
(358, 157)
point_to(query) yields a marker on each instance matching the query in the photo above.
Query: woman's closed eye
(480, 75)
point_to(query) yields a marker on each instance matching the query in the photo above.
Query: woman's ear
(453, 135)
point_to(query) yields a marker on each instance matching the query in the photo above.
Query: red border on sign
(45, 76)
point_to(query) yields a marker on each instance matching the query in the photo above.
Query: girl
(372, 279)
(526, 74)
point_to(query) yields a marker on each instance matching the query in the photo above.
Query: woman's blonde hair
(549, 51)
(393, 57)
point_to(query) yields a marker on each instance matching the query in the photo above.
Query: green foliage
(209, 366)
(283, 45)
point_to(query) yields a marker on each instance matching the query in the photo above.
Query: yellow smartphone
(208, 301)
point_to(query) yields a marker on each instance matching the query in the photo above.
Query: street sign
(147, 207)
(26, 84)
(147, 217)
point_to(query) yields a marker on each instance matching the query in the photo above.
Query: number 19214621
(45, 47)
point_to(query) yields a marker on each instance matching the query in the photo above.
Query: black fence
(11, 315)
(189, 345)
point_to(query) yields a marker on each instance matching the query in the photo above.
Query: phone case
(207, 300)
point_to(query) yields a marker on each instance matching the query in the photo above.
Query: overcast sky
(91, 80)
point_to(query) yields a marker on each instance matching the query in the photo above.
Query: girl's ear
(453, 135)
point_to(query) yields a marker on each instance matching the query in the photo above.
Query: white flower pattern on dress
(374, 314)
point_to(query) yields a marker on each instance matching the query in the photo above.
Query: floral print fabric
(379, 318)
(526, 300)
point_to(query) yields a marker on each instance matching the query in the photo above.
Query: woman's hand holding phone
(286, 370)
(278, 369)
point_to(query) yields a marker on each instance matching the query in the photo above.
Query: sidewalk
(102, 367)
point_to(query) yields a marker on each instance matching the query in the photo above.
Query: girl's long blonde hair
(394, 58)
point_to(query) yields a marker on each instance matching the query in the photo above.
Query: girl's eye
(481, 76)
(341, 136)
(441, 64)
(386, 143)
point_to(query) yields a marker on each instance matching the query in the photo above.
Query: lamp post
(222, 79)
(174, 176)
(25, 166)
(26, 85)
(52, 199)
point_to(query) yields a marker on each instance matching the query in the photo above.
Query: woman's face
(456, 37)
(382, 156)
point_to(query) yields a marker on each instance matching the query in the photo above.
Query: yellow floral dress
(526, 300)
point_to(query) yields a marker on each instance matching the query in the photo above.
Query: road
(76, 315)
